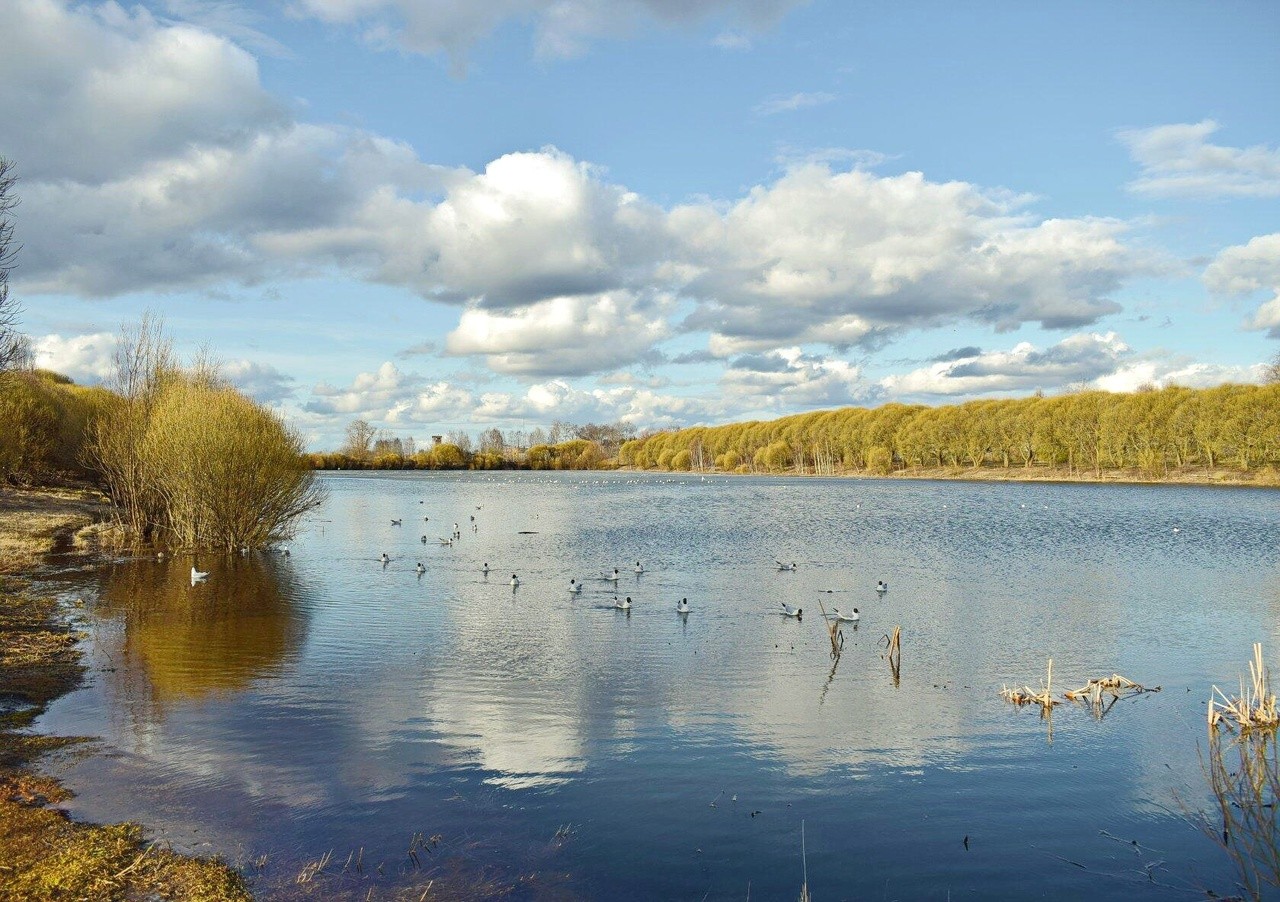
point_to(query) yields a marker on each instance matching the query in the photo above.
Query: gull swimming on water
(198, 575)
(622, 605)
(515, 580)
(789, 611)
(639, 567)
(396, 522)
(485, 568)
(848, 618)
(782, 566)
(384, 558)
(574, 587)
(614, 578)
(682, 606)
(882, 587)
(421, 569)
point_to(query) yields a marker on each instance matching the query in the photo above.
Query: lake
(533, 741)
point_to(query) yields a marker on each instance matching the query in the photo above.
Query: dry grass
(32, 521)
(1102, 693)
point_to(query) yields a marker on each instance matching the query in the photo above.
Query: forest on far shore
(1148, 434)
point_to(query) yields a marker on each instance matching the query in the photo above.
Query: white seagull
(789, 611)
(575, 587)
(515, 580)
(197, 575)
(782, 566)
(622, 605)
(682, 606)
(421, 569)
(639, 567)
(882, 587)
(384, 558)
(848, 618)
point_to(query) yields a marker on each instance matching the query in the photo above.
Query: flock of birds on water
(575, 585)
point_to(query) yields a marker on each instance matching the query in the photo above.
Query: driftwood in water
(893, 651)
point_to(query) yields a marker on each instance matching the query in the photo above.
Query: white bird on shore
(622, 605)
(198, 575)
(789, 611)
(882, 587)
(782, 566)
(682, 607)
(848, 618)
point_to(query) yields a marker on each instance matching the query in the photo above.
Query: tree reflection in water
(179, 642)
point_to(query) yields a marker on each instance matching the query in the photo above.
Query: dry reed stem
(1254, 708)
(1117, 686)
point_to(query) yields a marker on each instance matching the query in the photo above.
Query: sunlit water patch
(293, 705)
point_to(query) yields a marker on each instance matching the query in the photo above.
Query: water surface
(290, 706)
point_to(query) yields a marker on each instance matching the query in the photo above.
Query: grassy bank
(44, 854)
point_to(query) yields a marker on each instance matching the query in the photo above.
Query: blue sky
(442, 216)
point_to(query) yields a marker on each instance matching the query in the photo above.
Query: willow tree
(189, 461)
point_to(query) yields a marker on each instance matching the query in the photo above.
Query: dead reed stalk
(1115, 686)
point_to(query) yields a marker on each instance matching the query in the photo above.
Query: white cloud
(1178, 161)
(564, 336)
(732, 40)
(786, 103)
(787, 380)
(260, 381)
(1249, 269)
(1090, 360)
(92, 90)
(371, 395)
(867, 255)
(562, 28)
(220, 189)
(85, 358)
(1077, 359)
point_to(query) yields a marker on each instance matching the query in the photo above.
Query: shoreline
(44, 854)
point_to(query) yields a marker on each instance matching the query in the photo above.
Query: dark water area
(289, 706)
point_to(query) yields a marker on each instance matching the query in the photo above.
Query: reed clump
(1101, 693)
(1025, 695)
(1254, 708)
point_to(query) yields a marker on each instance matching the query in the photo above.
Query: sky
(442, 215)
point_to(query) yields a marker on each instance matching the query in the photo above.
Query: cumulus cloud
(1178, 161)
(1088, 360)
(570, 336)
(92, 90)
(969, 371)
(85, 358)
(219, 186)
(786, 103)
(260, 381)
(851, 255)
(369, 394)
(788, 379)
(562, 28)
(1250, 269)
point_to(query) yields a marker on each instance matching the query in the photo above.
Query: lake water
(292, 706)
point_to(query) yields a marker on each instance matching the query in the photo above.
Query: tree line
(1151, 433)
(563, 446)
